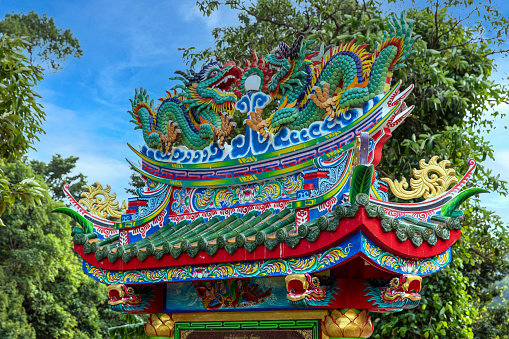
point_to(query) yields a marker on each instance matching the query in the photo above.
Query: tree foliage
(57, 173)
(21, 118)
(49, 46)
(44, 291)
(454, 99)
(135, 183)
(21, 115)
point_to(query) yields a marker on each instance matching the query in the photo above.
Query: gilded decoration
(93, 200)
(430, 181)
(161, 325)
(348, 323)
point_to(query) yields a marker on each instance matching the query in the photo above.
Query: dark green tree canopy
(44, 291)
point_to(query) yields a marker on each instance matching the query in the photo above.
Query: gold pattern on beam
(427, 183)
(95, 204)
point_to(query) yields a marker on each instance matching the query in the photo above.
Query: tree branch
(272, 21)
(495, 52)
(476, 251)
(456, 24)
(453, 46)
(331, 16)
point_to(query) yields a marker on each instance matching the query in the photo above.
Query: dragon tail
(146, 117)
(392, 52)
(140, 101)
(388, 56)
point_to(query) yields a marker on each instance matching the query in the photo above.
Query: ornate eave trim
(357, 245)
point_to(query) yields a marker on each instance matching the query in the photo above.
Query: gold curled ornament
(96, 205)
(431, 180)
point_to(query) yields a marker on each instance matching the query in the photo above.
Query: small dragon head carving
(127, 299)
(306, 290)
(398, 292)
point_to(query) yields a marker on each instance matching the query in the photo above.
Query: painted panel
(227, 295)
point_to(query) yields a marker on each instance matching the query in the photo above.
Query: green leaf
(362, 177)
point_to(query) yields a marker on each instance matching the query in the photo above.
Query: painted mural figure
(230, 294)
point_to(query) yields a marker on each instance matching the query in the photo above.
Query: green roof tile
(254, 229)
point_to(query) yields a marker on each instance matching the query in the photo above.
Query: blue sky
(131, 44)
(127, 45)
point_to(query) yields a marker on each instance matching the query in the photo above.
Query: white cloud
(98, 141)
(191, 14)
(223, 16)
(501, 163)
(497, 203)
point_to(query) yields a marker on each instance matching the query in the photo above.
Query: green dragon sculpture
(336, 80)
(201, 113)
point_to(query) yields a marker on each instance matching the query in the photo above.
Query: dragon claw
(167, 141)
(227, 126)
(323, 99)
(257, 124)
(265, 133)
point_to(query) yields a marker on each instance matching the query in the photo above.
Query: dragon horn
(184, 74)
(190, 78)
(295, 47)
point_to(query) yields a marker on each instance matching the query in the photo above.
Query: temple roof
(268, 229)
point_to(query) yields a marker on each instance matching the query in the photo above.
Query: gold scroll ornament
(95, 204)
(427, 183)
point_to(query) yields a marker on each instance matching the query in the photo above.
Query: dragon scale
(313, 84)
(200, 113)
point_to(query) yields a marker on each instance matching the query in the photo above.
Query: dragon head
(282, 61)
(210, 88)
(397, 292)
(305, 290)
(124, 298)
